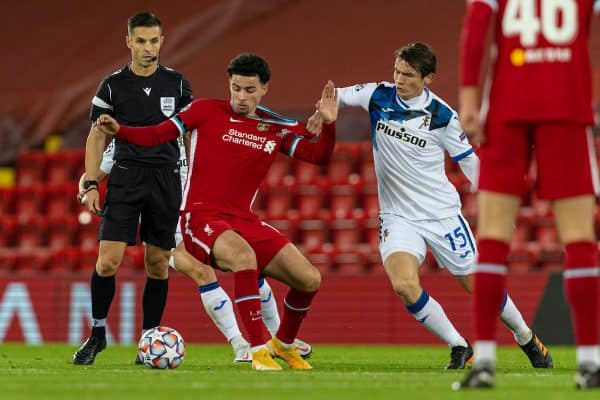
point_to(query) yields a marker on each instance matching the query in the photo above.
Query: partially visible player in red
(539, 104)
(233, 145)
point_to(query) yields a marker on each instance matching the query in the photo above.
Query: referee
(144, 185)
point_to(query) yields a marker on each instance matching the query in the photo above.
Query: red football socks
(247, 300)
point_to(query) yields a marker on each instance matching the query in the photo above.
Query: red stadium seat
(31, 261)
(61, 199)
(30, 232)
(61, 231)
(279, 170)
(552, 257)
(87, 260)
(522, 234)
(370, 200)
(523, 257)
(31, 167)
(6, 201)
(29, 201)
(64, 260)
(306, 172)
(277, 200)
(312, 233)
(340, 171)
(524, 228)
(310, 199)
(8, 260)
(343, 162)
(133, 259)
(287, 226)
(366, 150)
(346, 234)
(353, 148)
(371, 230)
(63, 166)
(7, 231)
(374, 264)
(526, 215)
(542, 208)
(87, 233)
(350, 263)
(545, 231)
(343, 199)
(366, 170)
(322, 260)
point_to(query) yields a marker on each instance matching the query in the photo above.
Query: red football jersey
(230, 154)
(541, 65)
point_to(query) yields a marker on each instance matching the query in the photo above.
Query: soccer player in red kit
(233, 145)
(539, 104)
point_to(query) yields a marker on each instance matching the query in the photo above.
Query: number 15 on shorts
(459, 242)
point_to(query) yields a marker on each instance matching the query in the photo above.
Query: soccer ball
(161, 347)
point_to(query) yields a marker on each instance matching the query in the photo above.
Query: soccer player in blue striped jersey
(411, 129)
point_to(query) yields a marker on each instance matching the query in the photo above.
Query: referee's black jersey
(139, 101)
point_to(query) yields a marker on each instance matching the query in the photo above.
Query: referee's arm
(94, 148)
(96, 140)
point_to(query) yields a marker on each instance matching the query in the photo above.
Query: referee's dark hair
(145, 19)
(420, 56)
(248, 64)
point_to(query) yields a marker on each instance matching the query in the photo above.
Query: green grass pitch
(340, 372)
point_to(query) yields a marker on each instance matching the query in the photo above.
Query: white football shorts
(450, 240)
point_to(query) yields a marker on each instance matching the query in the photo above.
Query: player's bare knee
(312, 280)
(157, 266)
(238, 259)
(202, 274)
(156, 262)
(158, 270)
(107, 264)
(231, 252)
(244, 260)
(406, 288)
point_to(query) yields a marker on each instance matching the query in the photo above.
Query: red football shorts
(564, 154)
(201, 229)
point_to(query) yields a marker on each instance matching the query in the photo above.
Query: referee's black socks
(103, 291)
(154, 301)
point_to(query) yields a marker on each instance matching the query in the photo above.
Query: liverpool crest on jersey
(262, 126)
(167, 105)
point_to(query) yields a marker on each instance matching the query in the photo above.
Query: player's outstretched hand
(107, 124)
(328, 105)
(315, 122)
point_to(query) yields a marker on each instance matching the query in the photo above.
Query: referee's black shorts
(150, 196)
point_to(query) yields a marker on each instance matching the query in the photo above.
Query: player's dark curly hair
(145, 19)
(419, 56)
(248, 64)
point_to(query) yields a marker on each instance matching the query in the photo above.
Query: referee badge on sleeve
(167, 105)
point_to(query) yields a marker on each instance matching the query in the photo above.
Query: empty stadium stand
(332, 219)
